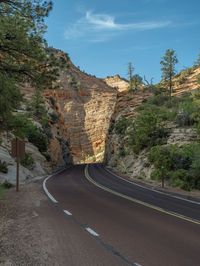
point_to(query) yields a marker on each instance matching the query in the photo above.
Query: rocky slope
(137, 165)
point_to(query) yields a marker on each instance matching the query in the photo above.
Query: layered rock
(85, 105)
(117, 82)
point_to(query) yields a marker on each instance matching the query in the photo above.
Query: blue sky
(102, 36)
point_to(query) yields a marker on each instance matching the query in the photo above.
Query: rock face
(84, 105)
(39, 168)
(117, 82)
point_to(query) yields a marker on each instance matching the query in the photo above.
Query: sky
(103, 36)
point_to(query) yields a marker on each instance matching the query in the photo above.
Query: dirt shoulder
(22, 238)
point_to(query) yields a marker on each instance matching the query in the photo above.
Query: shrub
(180, 164)
(3, 167)
(121, 126)
(147, 131)
(7, 184)
(27, 161)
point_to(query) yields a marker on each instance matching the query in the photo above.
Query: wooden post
(17, 160)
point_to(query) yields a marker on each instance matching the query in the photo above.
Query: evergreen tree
(130, 75)
(24, 57)
(168, 67)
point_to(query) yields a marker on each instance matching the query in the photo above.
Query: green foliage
(148, 130)
(37, 104)
(135, 81)
(23, 127)
(189, 111)
(3, 167)
(121, 125)
(168, 67)
(181, 165)
(27, 161)
(23, 48)
(10, 98)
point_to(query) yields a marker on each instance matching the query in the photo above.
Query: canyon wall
(84, 105)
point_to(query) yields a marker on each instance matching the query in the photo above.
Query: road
(137, 226)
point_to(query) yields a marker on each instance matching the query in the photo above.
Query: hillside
(70, 123)
(143, 120)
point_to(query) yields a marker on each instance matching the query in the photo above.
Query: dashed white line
(92, 232)
(136, 264)
(67, 212)
(46, 190)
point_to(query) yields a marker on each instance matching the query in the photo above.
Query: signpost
(18, 152)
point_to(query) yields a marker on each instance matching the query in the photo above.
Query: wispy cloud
(102, 27)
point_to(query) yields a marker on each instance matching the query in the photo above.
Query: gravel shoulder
(22, 239)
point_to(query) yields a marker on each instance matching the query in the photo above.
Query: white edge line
(46, 190)
(67, 212)
(138, 201)
(151, 189)
(92, 232)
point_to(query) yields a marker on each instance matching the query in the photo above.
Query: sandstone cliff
(79, 111)
(117, 82)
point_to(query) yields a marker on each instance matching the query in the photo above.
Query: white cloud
(103, 27)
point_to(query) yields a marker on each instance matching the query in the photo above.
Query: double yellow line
(138, 201)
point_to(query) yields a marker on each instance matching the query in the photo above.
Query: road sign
(18, 152)
(18, 148)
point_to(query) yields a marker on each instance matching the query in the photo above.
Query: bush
(147, 130)
(37, 138)
(180, 164)
(25, 128)
(27, 161)
(121, 126)
(7, 184)
(3, 167)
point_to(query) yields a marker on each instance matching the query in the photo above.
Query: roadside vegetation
(179, 163)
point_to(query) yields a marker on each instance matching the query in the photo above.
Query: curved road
(120, 223)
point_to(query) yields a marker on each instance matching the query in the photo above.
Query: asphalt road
(146, 228)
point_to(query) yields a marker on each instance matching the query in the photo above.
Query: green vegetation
(150, 129)
(179, 165)
(3, 167)
(23, 127)
(27, 161)
(25, 57)
(134, 80)
(168, 67)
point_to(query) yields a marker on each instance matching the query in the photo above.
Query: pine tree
(130, 75)
(24, 57)
(168, 67)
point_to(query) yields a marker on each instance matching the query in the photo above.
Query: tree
(168, 67)
(130, 75)
(24, 57)
(136, 81)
